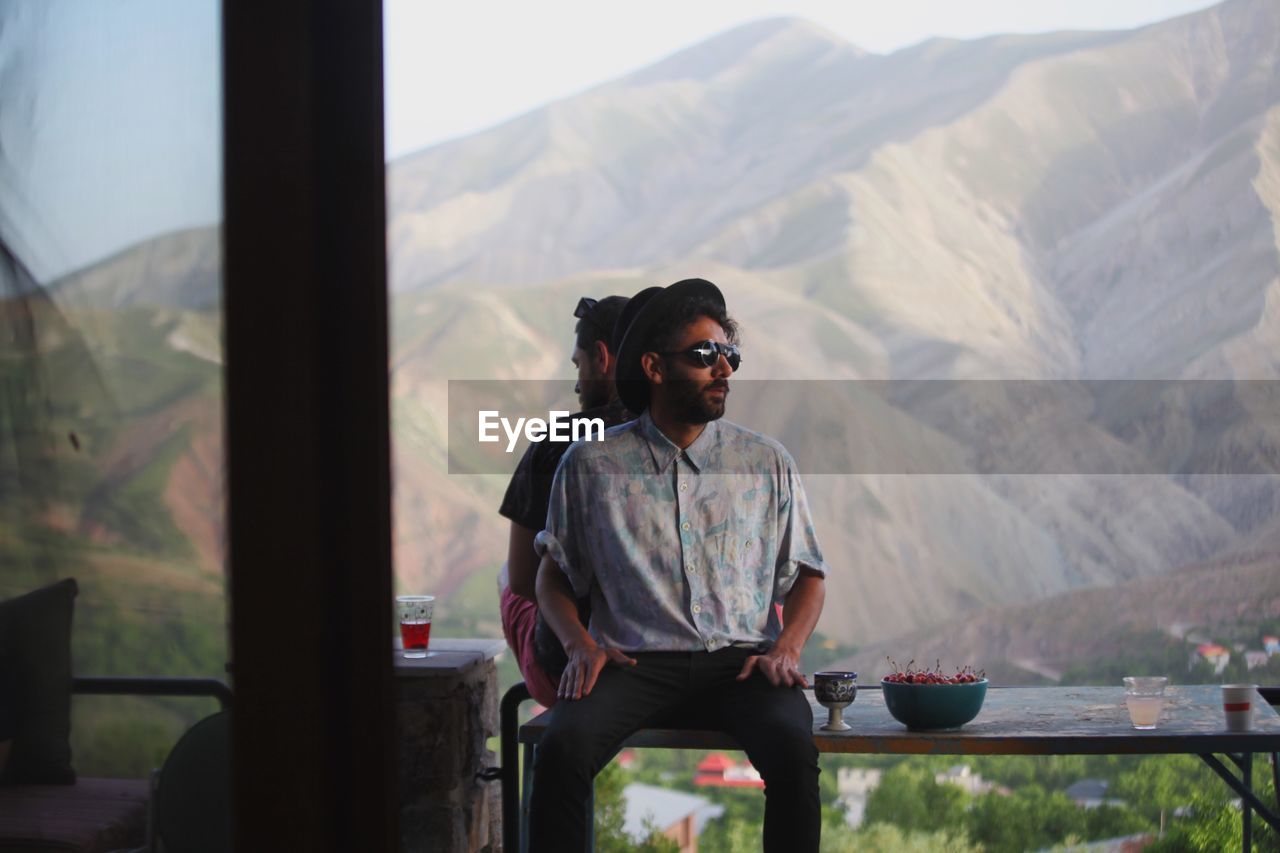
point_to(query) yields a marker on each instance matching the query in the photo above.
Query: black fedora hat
(633, 332)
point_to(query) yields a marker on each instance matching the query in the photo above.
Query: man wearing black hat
(538, 653)
(686, 531)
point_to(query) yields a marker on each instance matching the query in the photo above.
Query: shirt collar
(665, 451)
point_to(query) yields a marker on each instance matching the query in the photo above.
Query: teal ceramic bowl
(934, 707)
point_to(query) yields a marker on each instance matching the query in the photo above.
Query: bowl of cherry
(931, 700)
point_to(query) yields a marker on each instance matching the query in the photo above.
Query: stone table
(446, 710)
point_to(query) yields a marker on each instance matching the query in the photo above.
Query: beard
(593, 393)
(695, 404)
(585, 402)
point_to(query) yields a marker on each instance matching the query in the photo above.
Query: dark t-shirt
(525, 503)
(529, 491)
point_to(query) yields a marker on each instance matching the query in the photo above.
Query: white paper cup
(1237, 706)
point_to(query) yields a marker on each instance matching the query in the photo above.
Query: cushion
(35, 666)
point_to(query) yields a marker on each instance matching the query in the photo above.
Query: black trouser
(693, 689)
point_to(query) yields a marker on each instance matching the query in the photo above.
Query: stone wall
(444, 721)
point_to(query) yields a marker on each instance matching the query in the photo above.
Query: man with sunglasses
(685, 530)
(538, 653)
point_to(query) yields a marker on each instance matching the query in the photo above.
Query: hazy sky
(455, 68)
(109, 125)
(109, 131)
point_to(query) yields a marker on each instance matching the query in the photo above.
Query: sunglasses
(707, 353)
(586, 307)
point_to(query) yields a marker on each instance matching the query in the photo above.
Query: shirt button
(684, 526)
(684, 487)
(747, 544)
(691, 567)
(697, 608)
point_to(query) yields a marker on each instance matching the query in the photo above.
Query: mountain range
(1094, 206)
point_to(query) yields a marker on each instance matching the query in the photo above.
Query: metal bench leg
(510, 722)
(526, 793)
(591, 820)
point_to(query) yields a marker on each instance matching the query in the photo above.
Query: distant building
(857, 780)
(1091, 793)
(1088, 793)
(720, 771)
(1271, 645)
(961, 776)
(855, 784)
(675, 814)
(1254, 659)
(1217, 656)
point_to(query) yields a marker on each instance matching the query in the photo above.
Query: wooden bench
(1013, 721)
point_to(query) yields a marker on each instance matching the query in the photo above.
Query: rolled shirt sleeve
(797, 540)
(560, 537)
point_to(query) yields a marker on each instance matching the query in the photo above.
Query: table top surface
(1019, 721)
(449, 657)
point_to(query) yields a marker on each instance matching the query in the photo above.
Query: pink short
(519, 617)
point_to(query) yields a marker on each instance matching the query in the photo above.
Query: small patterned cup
(835, 691)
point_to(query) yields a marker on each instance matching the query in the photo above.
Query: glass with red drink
(415, 623)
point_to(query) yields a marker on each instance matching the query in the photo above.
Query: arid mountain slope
(1069, 206)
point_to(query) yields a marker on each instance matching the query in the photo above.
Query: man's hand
(781, 665)
(585, 663)
(586, 659)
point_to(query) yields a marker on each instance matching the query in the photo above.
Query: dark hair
(598, 325)
(666, 330)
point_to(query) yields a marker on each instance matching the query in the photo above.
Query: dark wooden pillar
(307, 426)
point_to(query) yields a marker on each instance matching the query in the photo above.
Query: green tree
(887, 838)
(1213, 824)
(1157, 786)
(740, 828)
(1109, 821)
(1213, 821)
(611, 810)
(1051, 772)
(611, 816)
(1029, 818)
(731, 837)
(909, 797)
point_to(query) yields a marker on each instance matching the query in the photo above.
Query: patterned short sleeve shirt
(680, 550)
